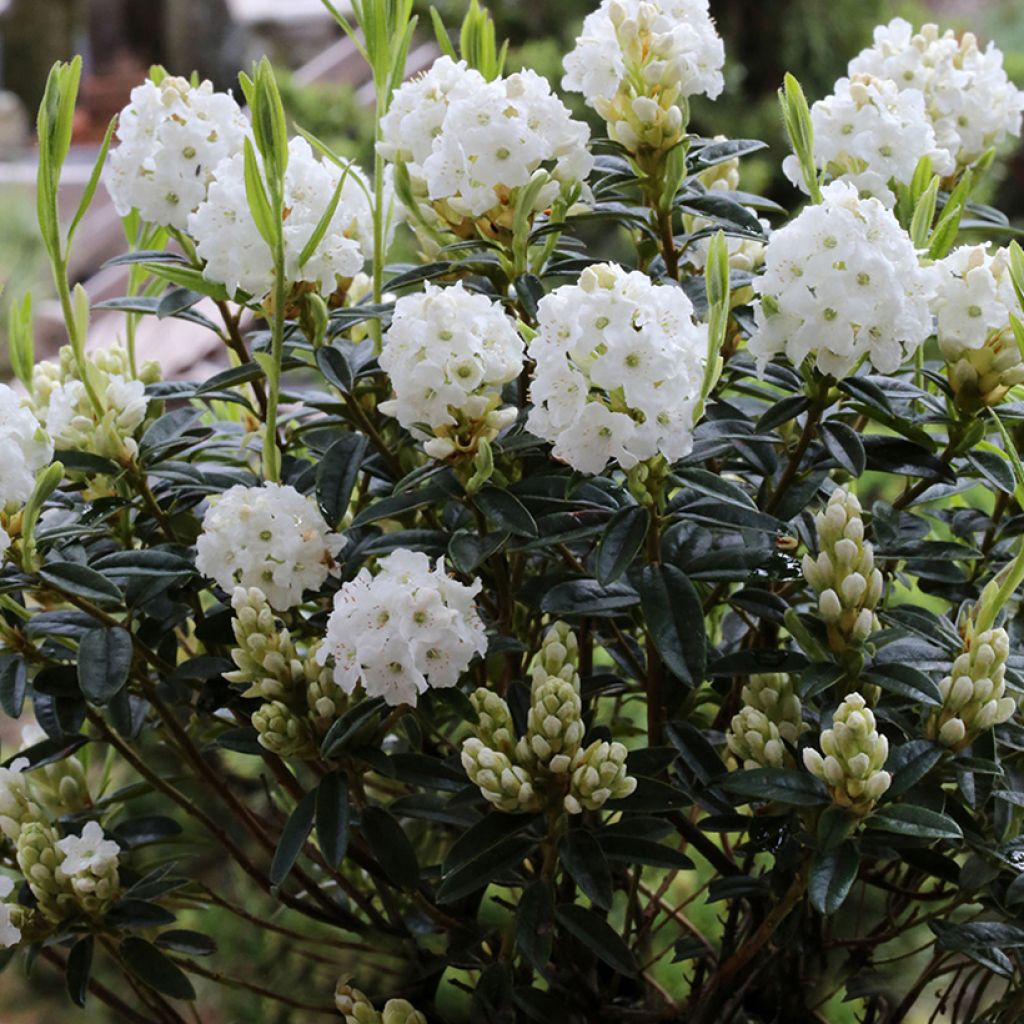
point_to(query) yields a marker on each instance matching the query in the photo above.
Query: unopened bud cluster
(973, 693)
(357, 1009)
(300, 699)
(548, 765)
(848, 585)
(101, 414)
(851, 758)
(770, 718)
(637, 63)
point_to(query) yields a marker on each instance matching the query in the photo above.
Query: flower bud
(972, 694)
(598, 775)
(851, 758)
(38, 858)
(843, 574)
(504, 784)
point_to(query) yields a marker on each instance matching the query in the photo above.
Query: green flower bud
(843, 573)
(17, 805)
(354, 1006)
(973, 694)
(495, 728)
(282, 732)
(504, 784)
(852, 755)
(39, 860)
(598, 775)
(754, 740)
(400, 1011)
(265, 657)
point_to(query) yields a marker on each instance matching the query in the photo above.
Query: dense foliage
(512, 634)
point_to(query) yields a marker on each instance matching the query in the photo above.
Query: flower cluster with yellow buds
(300, 699)
(973, 694)
(548, 767)
(843, 573)
(852, 756)
(770, 718)
(357, 1009)
(100, 414)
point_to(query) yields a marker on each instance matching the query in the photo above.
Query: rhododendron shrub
(520, 633)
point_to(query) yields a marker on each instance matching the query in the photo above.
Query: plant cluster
(512, 633)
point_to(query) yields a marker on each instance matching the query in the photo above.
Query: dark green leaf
(641, 850)
(835, 825)
(335, 367)
(910, 820)
(293, 838)
(675, 621)
(909, 763)
(104, 663)
(535, 924)
(832, 876)
(79, 968)
(13, 684)
(598, 936)
(188, 943)
(154, 969)
(506, 511)
(588, 597)
(583, 858)
(336, 476)
(345, 729)
(620, 543)
(81, 581)
(785, 785)
(481, 870)
(492, 829)
(332, 817)
(390, 845)
(844, 445)
(905, 681)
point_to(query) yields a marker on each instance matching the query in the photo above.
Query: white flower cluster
(971, 103)
(24, 451)
(271, 537)
(975, 297)
(408, 628)
(469, 144)
(674, 42)
(10, 934)
(448, 352)
(238, 256)
(842, 282)
(68, 413)
(619, 368)
(89, 862)
(171, 137)
(871, 133)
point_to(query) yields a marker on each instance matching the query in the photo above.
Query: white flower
(448, 352)
(842, 282)
(88, 853)
(70, 415)
(971, 103)
(619, 367)
(684, 51)
(408, 628)
(24, 449)
(468, 142)
(871, 133)
(975, 297)
(171, 136)
(237, 255)
(270, 537)
(10, 935)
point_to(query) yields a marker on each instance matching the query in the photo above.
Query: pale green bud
(400, 1011)
(973, 694)
(598, 775)
(501, 782)
(852, 756)
(495, 729)
(283, 732)
(982, 377)
(38, 858)
(843, 573)
(354, 1006)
